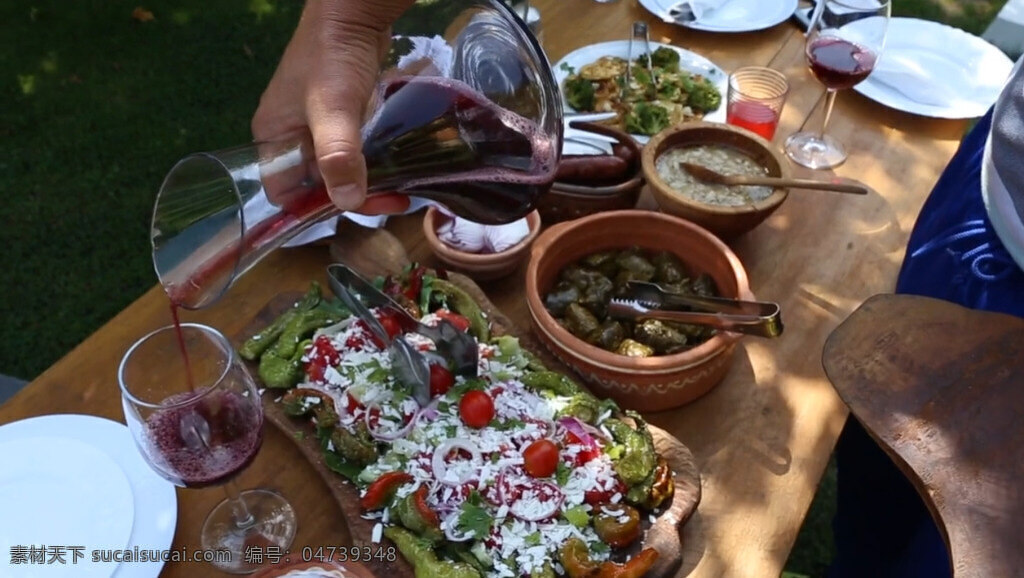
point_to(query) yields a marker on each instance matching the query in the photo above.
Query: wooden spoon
(709, 176)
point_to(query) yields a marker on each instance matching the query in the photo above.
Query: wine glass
(467, 113)
(196, 417)
(843, 45)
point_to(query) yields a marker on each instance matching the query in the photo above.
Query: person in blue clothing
(967, 247)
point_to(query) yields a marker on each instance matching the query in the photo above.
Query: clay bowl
(645, 384)
(566, 201)
(725, 221)
(478, 266)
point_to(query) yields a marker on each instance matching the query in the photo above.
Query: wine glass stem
(243, 518)
(830, 100)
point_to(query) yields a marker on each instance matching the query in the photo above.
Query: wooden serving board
(940, 388)
(378, 252)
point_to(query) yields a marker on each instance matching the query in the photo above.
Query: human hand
(324, 81)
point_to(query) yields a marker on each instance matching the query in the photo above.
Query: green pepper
(417, 516)
(545, 571)
(463, 303)
(280, 372)
(357, 448)
(551, 381)
(575, 558)
(257, 344)
(638, 456)
(301, 326)
(302, 401)
(655, 489)
(420, 553)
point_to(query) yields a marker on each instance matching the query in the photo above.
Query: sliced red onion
(551, 507)
(430, 412)
(440, 467)
(576, 428)
(388, 436)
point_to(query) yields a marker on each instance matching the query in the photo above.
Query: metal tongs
(640, 33)
(456, 346)
(651, 301)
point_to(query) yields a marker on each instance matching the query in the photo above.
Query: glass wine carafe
(467, 113)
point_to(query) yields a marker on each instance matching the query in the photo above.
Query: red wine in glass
(754, 116)
(207, 442)
(838, 63)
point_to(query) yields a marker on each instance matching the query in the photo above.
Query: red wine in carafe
(839, 63)
(437, 138)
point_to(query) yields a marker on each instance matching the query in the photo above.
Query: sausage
(624, 152)
(592, 170)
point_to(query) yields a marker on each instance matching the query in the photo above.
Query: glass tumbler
(755, 99)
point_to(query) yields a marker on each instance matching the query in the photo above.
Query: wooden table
(762, 438)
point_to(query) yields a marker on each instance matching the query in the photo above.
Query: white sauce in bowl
(723, 159)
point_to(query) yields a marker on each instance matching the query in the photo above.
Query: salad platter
(518, 470)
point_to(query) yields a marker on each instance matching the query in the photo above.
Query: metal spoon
(707, 175)
(411, 368)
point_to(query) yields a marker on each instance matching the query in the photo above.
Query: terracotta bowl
(651, 383)
(566, 201)
(478, 266)
(726, 222)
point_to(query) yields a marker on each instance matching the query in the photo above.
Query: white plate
(688, 61)
(936, 70)
(152, 498)
(732, 16)
(57, 493)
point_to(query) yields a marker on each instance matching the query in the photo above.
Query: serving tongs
(640, 34)
(455, 346)
(651, 301)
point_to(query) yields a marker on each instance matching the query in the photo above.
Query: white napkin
(907, 76)
(702, 9)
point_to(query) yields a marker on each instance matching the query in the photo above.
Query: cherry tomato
(441, 380)
(476, 408)
(322, 355)
(459, 321)
(541, 458)
(585, 454)
(390, 324)
(597, 496)
(415, 282)
(352, 404)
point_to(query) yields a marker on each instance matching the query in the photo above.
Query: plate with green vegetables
(678, 86)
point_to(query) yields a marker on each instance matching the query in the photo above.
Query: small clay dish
(725, 221)
(479, 266)
(648, 383)
(566, 201)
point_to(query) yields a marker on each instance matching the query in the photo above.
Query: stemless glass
(842, 47)
(196, 417)
(467, 113)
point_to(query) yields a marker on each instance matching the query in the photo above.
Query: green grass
(97, 107)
